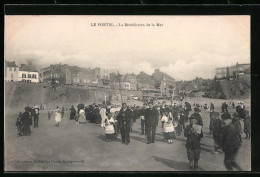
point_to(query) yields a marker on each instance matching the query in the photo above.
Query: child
(57, 117)
(216, 129)
(169, 132)
(247, 125)
(109, 127)
(77, 118)
(49, 115)
(19, 124)
(193, 142)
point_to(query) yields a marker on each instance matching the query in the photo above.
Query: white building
(29, 76)
(11, 71)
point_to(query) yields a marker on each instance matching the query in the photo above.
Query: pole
(120, 86)
(95, 96)
(105, 99)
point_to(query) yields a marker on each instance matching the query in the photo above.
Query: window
(14, 68)
(10, 69)
(29, 76)
(34, 76)
(23, 75)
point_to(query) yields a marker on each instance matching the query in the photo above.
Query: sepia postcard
(122, 93)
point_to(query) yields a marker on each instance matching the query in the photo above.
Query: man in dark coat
(247, 125)
(26, 122)
(230, 143)
(226, 115)
(217, 123)
(197, 116)
(141, 115)
(181, 122)
(240, 109)
(193, 143)
(72, 112)
(236, 122)
(35, 115)
(124, 118)
(151, 122)
(19, 123)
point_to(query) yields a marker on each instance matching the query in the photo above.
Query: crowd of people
(226, 129)
(29, 117)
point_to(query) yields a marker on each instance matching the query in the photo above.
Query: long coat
(26, 122)
(237, 124)
(247, 124)
(151, 117)
(124, 117)
(229, 138)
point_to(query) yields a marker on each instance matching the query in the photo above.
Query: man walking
(230, 143)
(151, 122)
(141, 115)
(124, 117)
(36, 116)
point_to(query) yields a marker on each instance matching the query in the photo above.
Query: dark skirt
(110, 136)
(169, 135)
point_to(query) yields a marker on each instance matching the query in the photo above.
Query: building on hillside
(131, 78)
(102, 73)
(144, 81)
(65, 74)
(166, 89)
(232, 72)
(123, 85)
(29, 76)
(164, 82)
(56, 73)
(27, 73)
(11, 71)
(82, 76)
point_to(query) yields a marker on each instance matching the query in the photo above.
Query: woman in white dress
(109, 127)
(169, 127)
(57, 117)
(82, 116)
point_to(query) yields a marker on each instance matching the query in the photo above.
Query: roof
(10, 64)
(26, 68)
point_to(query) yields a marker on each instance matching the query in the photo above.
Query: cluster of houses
(159, 84)
(233, 72)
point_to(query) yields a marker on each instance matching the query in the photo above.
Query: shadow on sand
(182, 166)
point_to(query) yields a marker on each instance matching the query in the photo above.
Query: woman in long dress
(57, 117)
(82, 116)
(168, 129)
(109, 127)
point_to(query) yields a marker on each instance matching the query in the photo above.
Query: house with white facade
(29, 76)
(11, 71)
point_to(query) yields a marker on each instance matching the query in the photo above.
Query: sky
(184, 47)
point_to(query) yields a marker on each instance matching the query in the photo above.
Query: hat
(196, 109)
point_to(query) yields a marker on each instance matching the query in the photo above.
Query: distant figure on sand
(57, 117)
